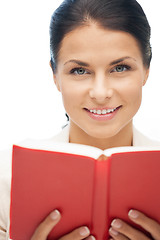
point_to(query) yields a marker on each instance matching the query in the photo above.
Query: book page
(79, 149)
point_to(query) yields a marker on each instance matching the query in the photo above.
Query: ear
(146, 76)
(55, 78)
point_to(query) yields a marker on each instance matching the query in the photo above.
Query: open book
(87, 185)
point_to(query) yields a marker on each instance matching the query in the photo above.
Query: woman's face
(100, 69)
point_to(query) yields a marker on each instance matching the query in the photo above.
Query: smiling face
(100, 69)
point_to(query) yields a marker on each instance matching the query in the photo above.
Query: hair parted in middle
(121, 15)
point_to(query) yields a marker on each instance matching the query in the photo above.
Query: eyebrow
(121, 60)
(78, 62)
(84, 64)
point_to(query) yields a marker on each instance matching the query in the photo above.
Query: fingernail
(112, 231)
(116, 223)
(133, 214)
(55, 215)
(84, 231)
(92, 238)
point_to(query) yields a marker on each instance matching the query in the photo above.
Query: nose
(101, 88)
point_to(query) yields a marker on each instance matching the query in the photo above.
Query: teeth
(104, 111)
(99, 112)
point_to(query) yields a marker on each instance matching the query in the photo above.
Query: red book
(87, 189)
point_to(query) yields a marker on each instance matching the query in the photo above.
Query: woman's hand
(122, 231)
(50, 222)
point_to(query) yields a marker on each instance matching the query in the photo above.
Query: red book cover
(86, 190)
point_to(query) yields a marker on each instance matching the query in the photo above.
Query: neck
(123, 138)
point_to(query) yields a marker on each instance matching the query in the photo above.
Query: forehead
(94, 42)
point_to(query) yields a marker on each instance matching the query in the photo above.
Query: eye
(78, 71)
(121, 68)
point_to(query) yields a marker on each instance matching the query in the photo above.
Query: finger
(128, 231)
(116, 235)
(46, 226)
(147, 223)
(77, 234)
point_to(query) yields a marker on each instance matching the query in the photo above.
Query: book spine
(100, 201)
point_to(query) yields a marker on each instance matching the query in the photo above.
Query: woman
(100, 57)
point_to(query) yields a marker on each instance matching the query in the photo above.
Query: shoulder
(63, 135)
(140, 139)
(5, 182)
(5, 169)
(6, 155)
(5, 161)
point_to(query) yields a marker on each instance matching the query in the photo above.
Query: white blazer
(5, 173)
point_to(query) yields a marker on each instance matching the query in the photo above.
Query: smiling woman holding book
(100, 58)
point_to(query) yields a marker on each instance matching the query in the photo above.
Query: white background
(30, 105)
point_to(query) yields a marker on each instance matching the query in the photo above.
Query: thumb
(46, 226)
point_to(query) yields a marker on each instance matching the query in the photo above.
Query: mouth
(104, 114)
(104, 111)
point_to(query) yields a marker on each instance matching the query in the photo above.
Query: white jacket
(5, 174)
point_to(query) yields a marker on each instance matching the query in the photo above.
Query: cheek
(71, 96)
(133, 95)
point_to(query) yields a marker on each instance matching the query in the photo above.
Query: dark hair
(123, 15)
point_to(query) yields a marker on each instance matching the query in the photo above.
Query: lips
(101, 116)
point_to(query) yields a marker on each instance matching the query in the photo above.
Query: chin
(108, 133)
